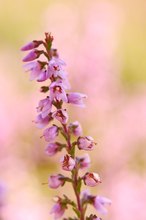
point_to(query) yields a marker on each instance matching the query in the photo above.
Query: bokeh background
(104, 46)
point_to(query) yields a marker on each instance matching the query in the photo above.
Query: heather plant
(53, 115)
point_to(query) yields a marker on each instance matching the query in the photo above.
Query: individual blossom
(55, 181)
(58, 209)
(44, 107)
(55, 68)
(99, 203)
(85, 194)
(36, 71)
(34, 54)
(52, 148)
(50, 133)
(61, 115)
(75, 128)
(68, 163)
(31, 45)
(57, 91)
(86, 143)
(83, 162)
(91, 179)
(76, 98)
(42, 122)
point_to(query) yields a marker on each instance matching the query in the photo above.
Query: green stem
(77, 193)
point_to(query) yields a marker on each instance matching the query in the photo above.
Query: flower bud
(31, 45)
(58, 209)
(68, 163)
(34, 54)
(55, 181)
(52, 149)
(91, 179)
(86, 143)
(75, 128)
(84, 161)
(76, 98)
(50, 133)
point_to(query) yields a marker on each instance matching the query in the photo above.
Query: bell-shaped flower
(86, 143)
(55, 181)
(36, 71)
(44, 107)
(76, 98)
(61, 115)
(43, 122)
(52, 149)
(99, 203)
(83, 162)
(57, 91)
(91, 179)
(50, 133)
(68, 163)
(58, 209)
(75, 128)
(55, 68)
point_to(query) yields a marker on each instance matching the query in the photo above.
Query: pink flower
(84, 161)
(58, 210)
(42, 122)
(61, 115)
(50, 133)
(76, 98)
(91, 179)
(55, 181)
(34, 67)
(36, 71)
(86, 143)
(57, 91)
(55, 68)
(99, 202)
(34, 54)
(31, 45)
(75, 128)
(85, 195)
(52, 149)
(44, 107)
(68, 163)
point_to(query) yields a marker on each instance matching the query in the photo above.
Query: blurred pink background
(104, 46)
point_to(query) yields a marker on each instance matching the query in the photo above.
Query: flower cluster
(51, 113)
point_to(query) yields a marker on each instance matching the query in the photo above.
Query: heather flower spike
(54, 119)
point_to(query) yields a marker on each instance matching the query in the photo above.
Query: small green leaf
(77, 212)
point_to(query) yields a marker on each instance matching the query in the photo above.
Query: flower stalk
(51, 109)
